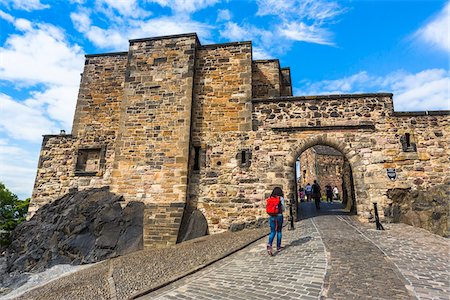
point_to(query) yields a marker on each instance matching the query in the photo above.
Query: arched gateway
(182, 126)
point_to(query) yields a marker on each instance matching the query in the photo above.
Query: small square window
(244, 158)
(89, 161)
(407, 143)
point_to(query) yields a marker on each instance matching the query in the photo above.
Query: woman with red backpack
(275, 208)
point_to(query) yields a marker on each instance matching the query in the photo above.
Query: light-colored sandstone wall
(371, 143)
(307, 167)
(55, 170)
(266, 78)
(151, 163)
(330, 172)
(95, 125)
(221, 121)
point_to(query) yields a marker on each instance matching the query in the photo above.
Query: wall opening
(197, 150)
(90, 161)
(332, 171)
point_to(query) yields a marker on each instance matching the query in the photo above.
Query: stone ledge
(421, 113)
(163, 37)
(369, 127)
(226, 44)
(319, 97)
(267, 60)
(106, 54)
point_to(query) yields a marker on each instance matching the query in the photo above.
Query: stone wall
(176, 125)
(266, 78)
(55, 172)
(286, 82)
(330, 172)
(371, 142)
(152, 151)
(307, 167)
(221, 121)
(94, 129)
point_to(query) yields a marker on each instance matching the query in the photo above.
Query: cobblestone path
(295, 273)
(422, 258)
(328, 256)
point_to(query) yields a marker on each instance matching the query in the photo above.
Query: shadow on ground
(308, 210)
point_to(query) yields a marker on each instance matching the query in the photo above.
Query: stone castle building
(182, 126)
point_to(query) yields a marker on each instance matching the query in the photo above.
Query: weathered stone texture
(151, 162)
(222, 118)
(425, 208)
(56, 168)
(176, 125)
(286, 82)
(266, 78)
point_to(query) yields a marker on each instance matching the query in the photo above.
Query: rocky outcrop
(193, 226)
(79, 228)
(428, 209)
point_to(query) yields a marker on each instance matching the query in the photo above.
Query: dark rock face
(82, 227)
(197, 226)
(428, 209)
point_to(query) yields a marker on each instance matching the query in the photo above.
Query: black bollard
(291, 217)
(377, 219)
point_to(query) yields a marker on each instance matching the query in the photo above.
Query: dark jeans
(276, 224)
(317, 201)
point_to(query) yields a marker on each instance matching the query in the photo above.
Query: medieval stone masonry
(182, 126)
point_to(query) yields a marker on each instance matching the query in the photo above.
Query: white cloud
(40, 55)
(18, 167)
(23, 122)
(27, 5)
(7, 17)
(317, 11)
(436, 33)
(185, 6)
(127, 8)
(299, 31)
(117, 35)
(259, 53)
(40, 58)
(223, 15)
(290, 21)
(425, 90)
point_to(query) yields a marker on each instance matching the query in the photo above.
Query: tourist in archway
(275, 208)
(308, 192)
(316, 194)
(301, 194)
(329, 193)
(336, 193)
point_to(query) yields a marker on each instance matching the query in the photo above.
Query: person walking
(275, 208)
(329, 192)
(301, 194)
(336, 193)
(308, 192)
(316, 194)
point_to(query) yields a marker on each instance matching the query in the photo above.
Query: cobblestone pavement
(296, 272)
(422, 258)
(402, 262)
(356, 267)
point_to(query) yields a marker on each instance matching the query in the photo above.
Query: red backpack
(273, 206)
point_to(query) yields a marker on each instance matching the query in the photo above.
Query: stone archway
(356, 168)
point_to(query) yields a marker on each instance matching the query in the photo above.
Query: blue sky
(331, 46)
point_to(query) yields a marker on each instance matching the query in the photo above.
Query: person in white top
(336, 193)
